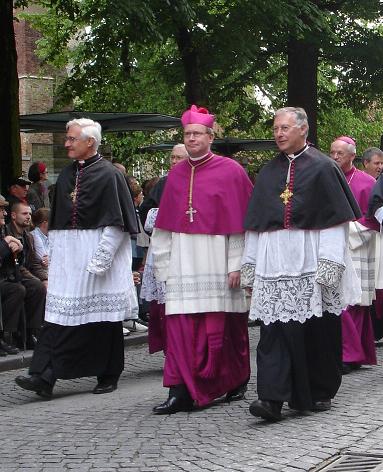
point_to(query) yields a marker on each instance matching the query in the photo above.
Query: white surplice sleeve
(236, 247)
(249, 259)
(331, 257)
(111, 239)
(160, 244)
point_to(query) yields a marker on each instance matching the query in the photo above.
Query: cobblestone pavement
(80, 431)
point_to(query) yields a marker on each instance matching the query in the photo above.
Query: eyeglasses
(283, 128)
(71, 139)
(196, 134)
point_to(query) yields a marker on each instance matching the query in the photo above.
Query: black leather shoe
(8, 348)
(173, 405)
(268, 410)
(236, 394)
(101, 388)
(35, 384)
(321, 405)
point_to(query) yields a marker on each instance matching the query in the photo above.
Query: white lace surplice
(151, 289)
(195, 268)
(285, 264)
(90, 277)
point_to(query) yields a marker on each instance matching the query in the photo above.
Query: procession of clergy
(299, 251)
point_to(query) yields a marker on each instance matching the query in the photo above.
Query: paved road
(80, 431)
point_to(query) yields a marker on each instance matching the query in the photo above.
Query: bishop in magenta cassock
(357, 330)
(197, 247)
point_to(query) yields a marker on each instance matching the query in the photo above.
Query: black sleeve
(5, 252)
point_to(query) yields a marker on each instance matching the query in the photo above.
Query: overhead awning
(226, 146)
(110, 122)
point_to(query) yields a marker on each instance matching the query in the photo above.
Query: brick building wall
(36, 87)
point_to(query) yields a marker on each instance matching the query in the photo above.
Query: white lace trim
(79, 310)
(329, 273)
(151, 219)
(150, 288)
(101, 262)
(293, 298)
(247, 275)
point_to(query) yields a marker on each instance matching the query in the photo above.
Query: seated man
(11, 293)
(33, 275)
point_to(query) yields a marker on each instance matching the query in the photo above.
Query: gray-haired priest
(90, 283)
(297, 263)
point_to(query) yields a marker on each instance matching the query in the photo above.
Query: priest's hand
(234, 279)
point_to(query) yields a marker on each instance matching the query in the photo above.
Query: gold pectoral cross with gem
(286, 195)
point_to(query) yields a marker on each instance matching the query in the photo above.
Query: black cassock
(102, 199)
(300, 362)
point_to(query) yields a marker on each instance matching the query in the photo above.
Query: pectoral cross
(286, 195)
(190, 213)
(73, 195)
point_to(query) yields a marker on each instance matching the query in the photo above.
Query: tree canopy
(242, 59)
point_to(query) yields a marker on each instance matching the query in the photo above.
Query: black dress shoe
(35, 384)
(321, 405)
(8, 348)
(173, 405)
(101, 388)
(267, 409)
(236, 394)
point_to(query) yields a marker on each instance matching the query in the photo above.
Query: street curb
(23, 359)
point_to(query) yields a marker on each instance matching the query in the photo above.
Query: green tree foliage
(162, 55)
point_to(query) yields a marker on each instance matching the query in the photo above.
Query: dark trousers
(28, 295)
(300, 362)
(69, 352)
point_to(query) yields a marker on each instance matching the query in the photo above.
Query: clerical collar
(298, 153)
(198, 159)
(88, 162)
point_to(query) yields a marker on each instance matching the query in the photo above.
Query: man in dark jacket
(11, 293)
(32, 277)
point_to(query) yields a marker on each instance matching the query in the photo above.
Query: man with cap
(90, 288)
(17, 193)
(297, 264)
(197, 246)
(357, 331)
(11, 292)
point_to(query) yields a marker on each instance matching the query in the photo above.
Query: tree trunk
(189, 57)
(302, 81)
(9, 98)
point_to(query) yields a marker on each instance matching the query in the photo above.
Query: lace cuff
(151, 220)
(247, 275)
(101, 262)
(329, 273)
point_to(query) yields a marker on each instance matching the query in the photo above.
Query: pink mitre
(346, 139)
(197, 116)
